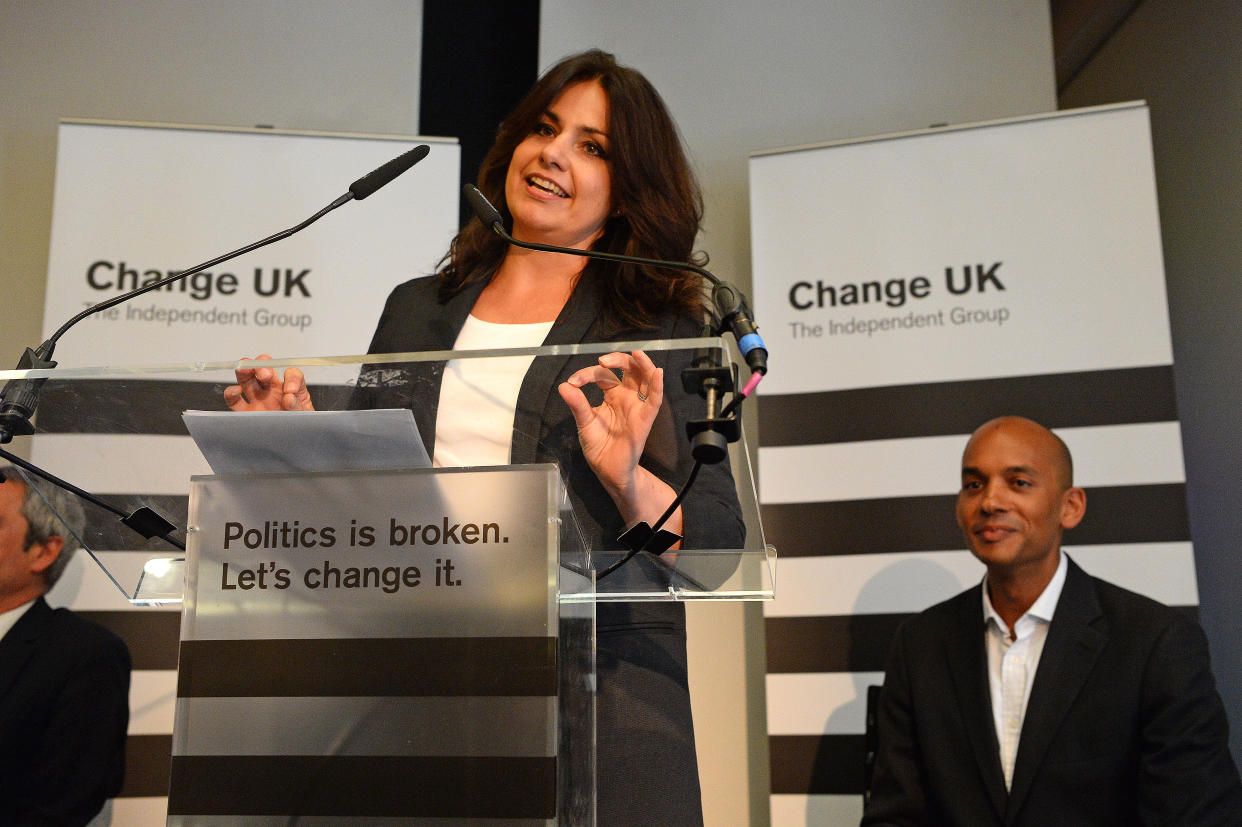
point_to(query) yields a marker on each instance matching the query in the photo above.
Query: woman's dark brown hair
(657, 205)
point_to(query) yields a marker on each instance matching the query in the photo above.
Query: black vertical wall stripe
(479, 57)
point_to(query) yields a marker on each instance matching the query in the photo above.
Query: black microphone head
(377, 178)
(483, 208)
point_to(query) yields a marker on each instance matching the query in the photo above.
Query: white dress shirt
(9, 619)
(478, 397)
(1012, 663)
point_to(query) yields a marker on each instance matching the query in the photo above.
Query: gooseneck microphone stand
(19, 397)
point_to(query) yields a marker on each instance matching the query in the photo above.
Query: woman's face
(559, 185)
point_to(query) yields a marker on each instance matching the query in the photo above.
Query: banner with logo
(910, 288)
(135, 203)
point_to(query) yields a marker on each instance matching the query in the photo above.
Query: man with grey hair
(64, 681)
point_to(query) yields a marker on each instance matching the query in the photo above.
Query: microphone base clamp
(710, 438)
(696, 379)
(20, 397)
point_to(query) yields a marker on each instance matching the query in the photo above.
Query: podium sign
(378, 645)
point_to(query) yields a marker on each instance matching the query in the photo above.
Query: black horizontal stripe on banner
(363, 667)
(817, 764)
(1115, 514)
(1058, 400)
(152, 635)
(430, 787)
(142, 406)
(148, 762)
(106, 532)
(841, 643)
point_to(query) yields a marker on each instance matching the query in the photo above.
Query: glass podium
(282, 627)
(118, 432)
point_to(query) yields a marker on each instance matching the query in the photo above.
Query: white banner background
(1066, 205)
(165, 199)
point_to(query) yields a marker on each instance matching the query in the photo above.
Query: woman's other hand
(262, 389)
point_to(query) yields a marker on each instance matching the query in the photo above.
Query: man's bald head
(1049, 445)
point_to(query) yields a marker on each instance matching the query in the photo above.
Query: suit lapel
(444, 326)
(439, 333)
(539, 387)
(968, 668)
(1071, 649)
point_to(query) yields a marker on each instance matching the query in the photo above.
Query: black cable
(732, 406)
(673, 506)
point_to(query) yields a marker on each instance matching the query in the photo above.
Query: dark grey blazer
(647, 771)
(1124, 724)
(64, 709)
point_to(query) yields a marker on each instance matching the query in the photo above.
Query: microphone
(372, 181)
(730, 303)
(484, 211)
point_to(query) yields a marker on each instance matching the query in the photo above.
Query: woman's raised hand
(613, 434)
(262, 389)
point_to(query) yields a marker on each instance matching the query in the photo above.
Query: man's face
(15, 563)
(1015, 498)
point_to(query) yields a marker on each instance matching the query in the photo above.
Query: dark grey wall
(1184, 58)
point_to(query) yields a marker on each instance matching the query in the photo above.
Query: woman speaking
(589, 159)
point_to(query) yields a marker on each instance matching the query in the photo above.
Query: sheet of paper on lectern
(235, 442)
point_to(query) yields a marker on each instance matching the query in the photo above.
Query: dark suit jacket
(647, 771)
(1124, 725)
(64, 709)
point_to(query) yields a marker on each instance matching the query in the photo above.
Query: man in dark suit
(64, 682)
(1045, 695)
